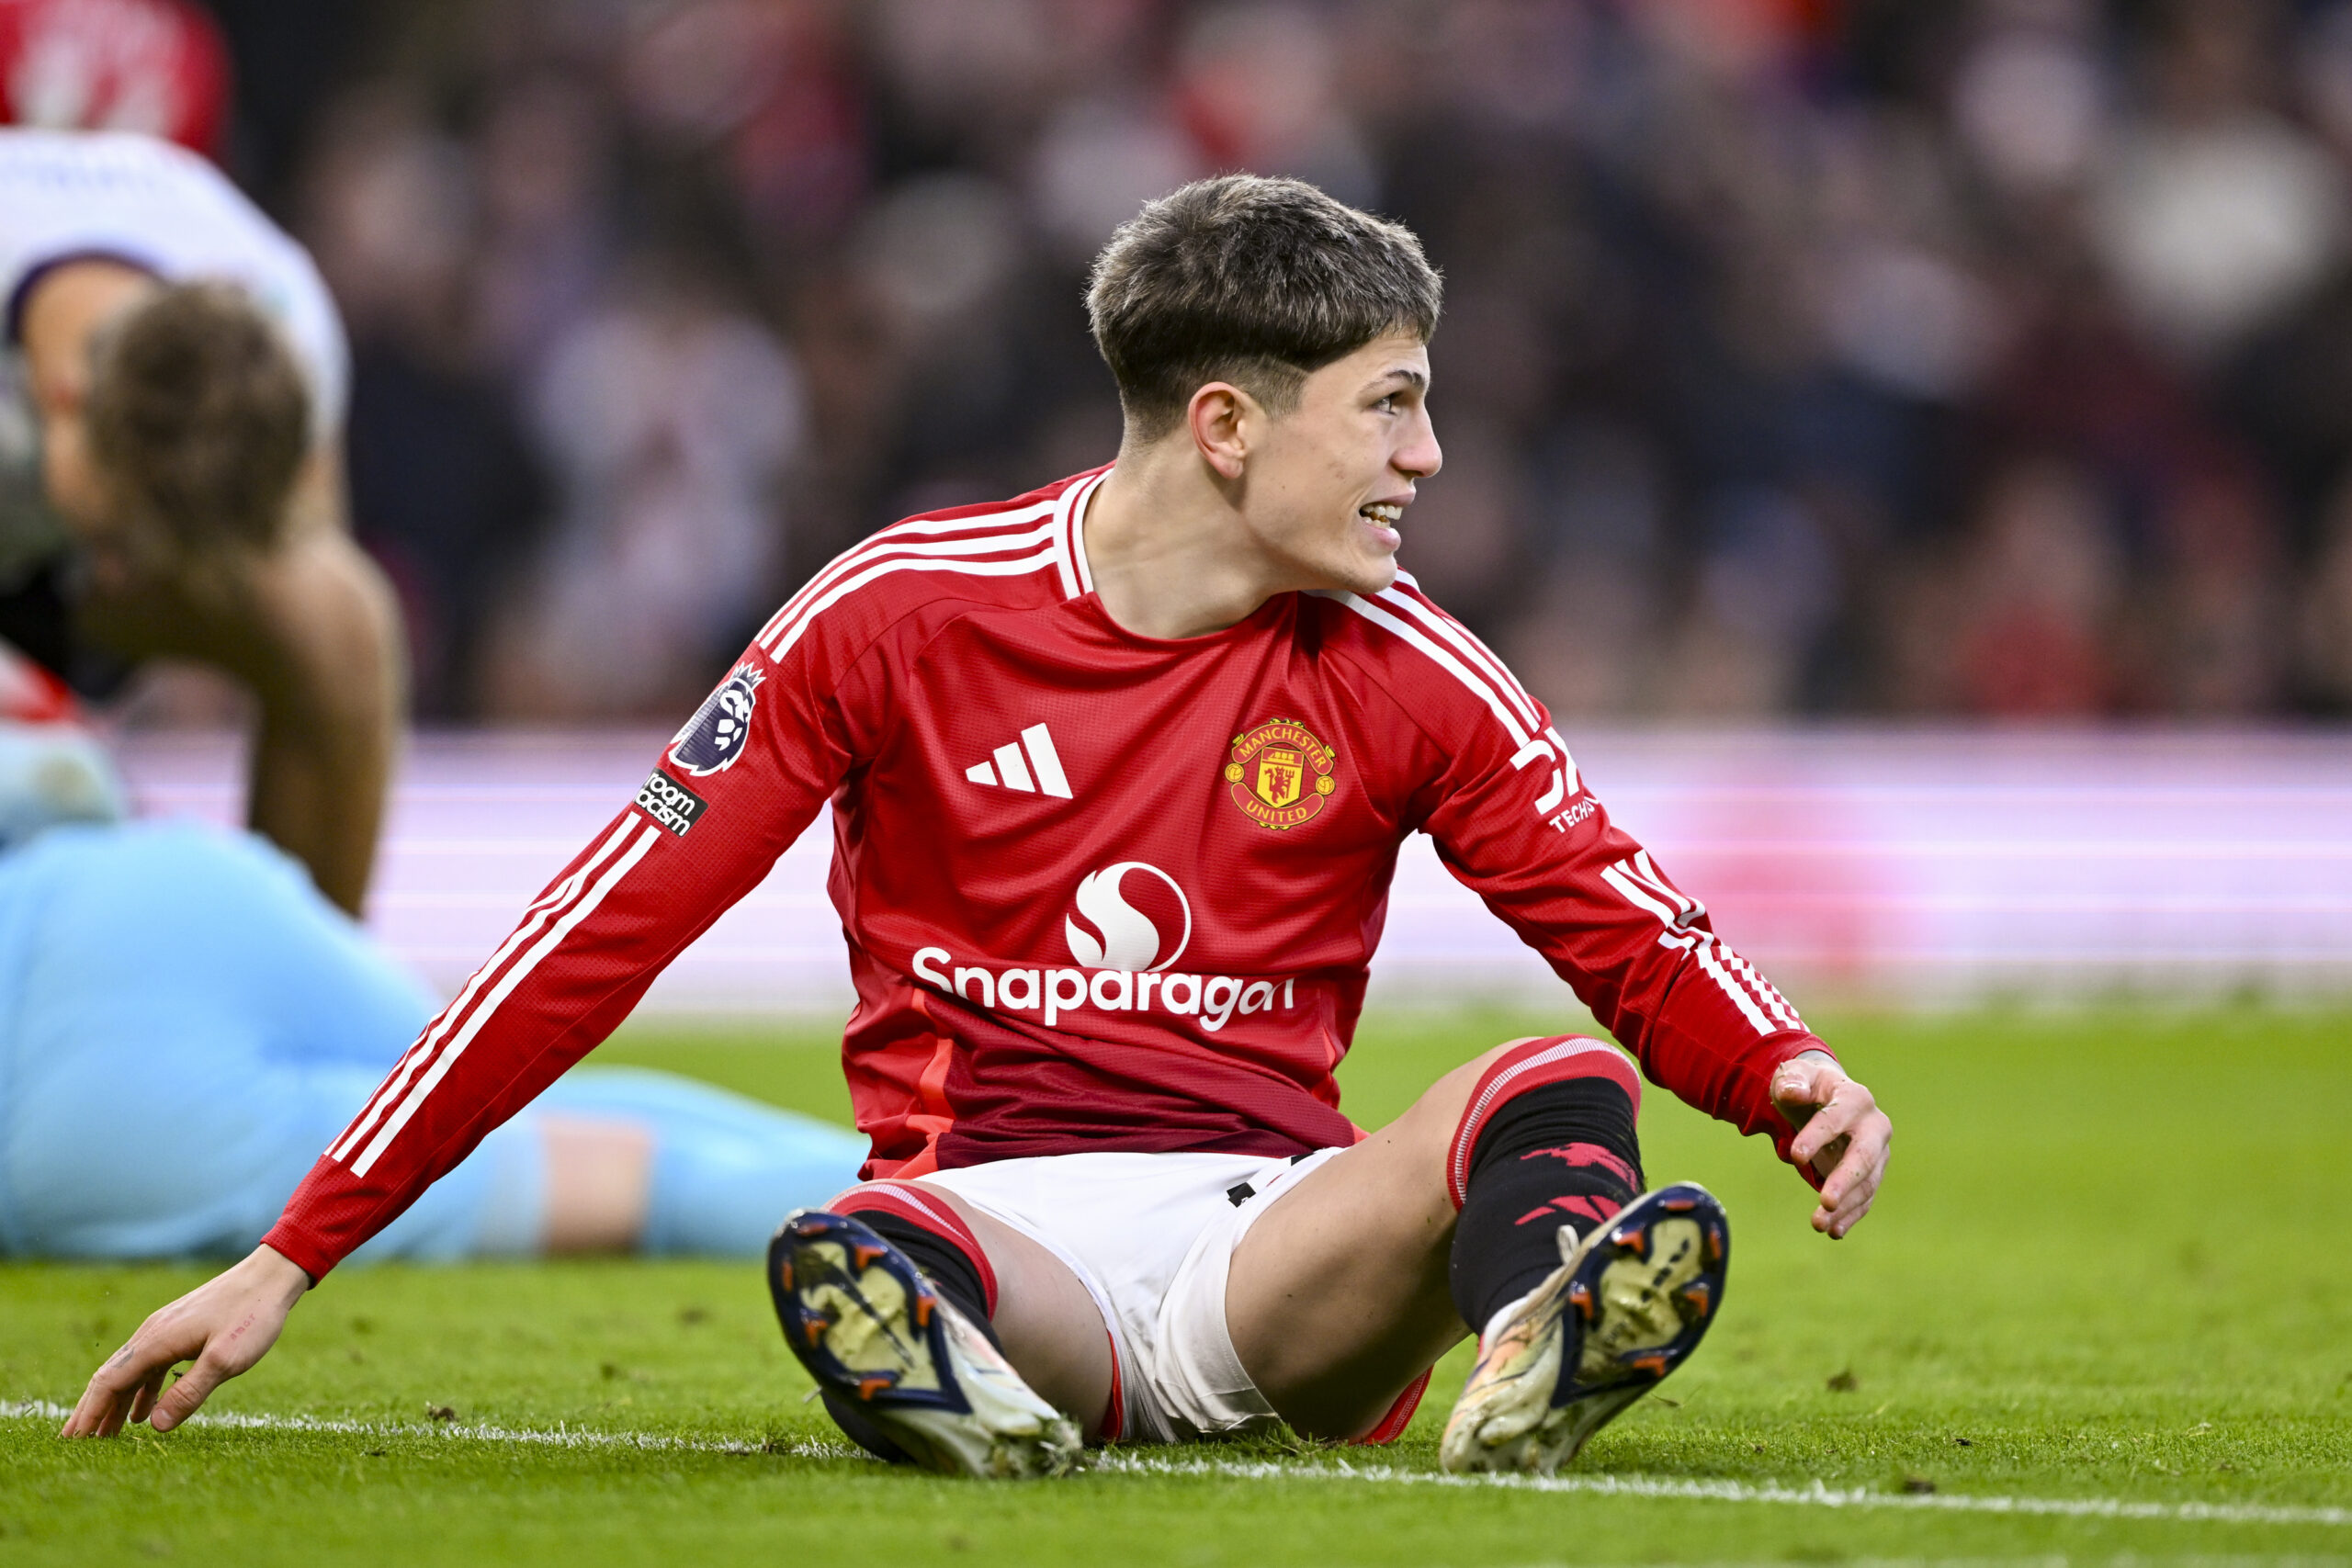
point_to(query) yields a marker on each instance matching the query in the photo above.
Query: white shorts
(1151, 1237)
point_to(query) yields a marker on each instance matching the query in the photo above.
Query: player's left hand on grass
(224, 1326)
(1842, 1137)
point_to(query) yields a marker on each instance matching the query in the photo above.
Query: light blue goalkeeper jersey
(185, 1024)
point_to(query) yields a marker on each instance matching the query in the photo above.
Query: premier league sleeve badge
(714, 738)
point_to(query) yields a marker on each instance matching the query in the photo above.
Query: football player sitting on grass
(1118, 771)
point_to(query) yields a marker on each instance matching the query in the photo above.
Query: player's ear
(1217, 418)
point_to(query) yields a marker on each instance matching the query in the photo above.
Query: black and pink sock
(1548, 1140)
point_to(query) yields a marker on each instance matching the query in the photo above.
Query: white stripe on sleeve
(1042, 559)
(1445, 659)
(533, 922)
(513, 977)
(905, 537)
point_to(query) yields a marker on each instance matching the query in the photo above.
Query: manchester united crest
(1280, 776)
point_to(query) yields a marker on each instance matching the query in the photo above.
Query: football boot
(1627, 1305)
(889, 1351)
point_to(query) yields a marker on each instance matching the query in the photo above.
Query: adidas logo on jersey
(1029, 764)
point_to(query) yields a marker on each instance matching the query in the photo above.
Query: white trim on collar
(1073, 536)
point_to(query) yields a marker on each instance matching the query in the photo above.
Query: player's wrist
(302, 1247)
(269, 1268)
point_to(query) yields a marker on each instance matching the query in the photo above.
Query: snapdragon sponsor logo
(1117, 935)
(1121, 932)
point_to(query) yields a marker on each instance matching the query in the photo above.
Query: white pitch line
(1817, 1495)
(559, 1438)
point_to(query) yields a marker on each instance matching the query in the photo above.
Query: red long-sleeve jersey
(1099, 891)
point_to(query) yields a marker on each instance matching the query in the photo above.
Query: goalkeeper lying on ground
(195, 979)
(1118, 771)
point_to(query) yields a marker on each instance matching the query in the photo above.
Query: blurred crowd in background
(1945, 357)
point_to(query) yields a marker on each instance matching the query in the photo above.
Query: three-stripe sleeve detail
(1450, 646)
(1004, 544)
(548, 906)
(540, 935)
(1641, 884)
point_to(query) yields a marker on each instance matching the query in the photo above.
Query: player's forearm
(321, 801)
(543, 999)
(1701, 1021)
(570, 973)
(1640, 953)
(1704, 1024)
(333, 694)
(665, 867)
(478, 1065)
(1720, 1069)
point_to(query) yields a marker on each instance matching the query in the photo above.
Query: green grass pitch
(2101, 1313)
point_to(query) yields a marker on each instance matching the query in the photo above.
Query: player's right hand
(224, 1326)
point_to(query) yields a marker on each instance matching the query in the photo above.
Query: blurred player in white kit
(172, 397)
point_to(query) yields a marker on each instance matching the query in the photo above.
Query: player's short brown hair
(1249, 280)
(198, 416)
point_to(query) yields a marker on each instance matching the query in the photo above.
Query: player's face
(120, 553)
(64, 316)
(75, 488)
(1329, 486)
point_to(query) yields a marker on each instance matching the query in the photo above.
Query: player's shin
(1547, 1141)
(1585, 1295)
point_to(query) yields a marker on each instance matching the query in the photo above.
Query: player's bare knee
(1441, 1105)
(1428, 1128)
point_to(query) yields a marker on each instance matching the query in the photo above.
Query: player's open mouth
(1386, 513)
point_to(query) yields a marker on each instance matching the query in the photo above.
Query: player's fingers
(84, 1419)
(1832, 1155)
(1799, 1086)
(1848, 1106)
(99, 1412)
(1874, 1142)
(195, 1386)
(1855, 1162)
(1850, 1190)
(1852, 1208)
(89, 1416)
(142, 1403)
(1824, 1127)
(1835, 1218)
(1832, 1149)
